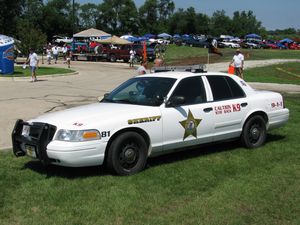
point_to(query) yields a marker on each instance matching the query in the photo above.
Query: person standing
(49, 55)
(132, 56)
(238, 63)
(33, 61)
(55, 53)
(69, 57)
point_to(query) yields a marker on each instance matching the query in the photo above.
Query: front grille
(39, 136)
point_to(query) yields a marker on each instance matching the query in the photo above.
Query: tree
(118, 16)
(30, 37)
(32, 11)
(57, 18)
(221, 24)
(88, 15)
(10, 10)
(148, 15)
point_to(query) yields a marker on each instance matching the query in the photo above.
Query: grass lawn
(177, 54)
(286, 73)
(20, 72)
(219, 184)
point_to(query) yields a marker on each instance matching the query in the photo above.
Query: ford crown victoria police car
(150, 115)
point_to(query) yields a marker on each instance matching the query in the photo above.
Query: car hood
(89, 116)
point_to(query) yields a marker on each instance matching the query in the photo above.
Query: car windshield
(148, 91)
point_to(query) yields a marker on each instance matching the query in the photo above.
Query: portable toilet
(6, 55)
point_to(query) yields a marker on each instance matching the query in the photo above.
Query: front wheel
(127, 154)
(112, 58)
(254, 133)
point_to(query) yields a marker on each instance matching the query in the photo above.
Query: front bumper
(36, 140)
(38, 143)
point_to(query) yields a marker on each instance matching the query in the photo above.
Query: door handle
(244, 104)
(207, 110)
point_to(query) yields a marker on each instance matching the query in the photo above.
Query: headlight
(77, 135)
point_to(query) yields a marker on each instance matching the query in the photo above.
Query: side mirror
(100, 99)
(175, 101)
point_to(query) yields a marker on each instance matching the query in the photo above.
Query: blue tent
(164, 35)
(149, 36)
(256, 36)
(131, 38)
(185, 36)
(286, 40)
(176, 36)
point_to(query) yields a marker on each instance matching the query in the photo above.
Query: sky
(274, 14)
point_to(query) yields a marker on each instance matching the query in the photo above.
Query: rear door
(230, 107)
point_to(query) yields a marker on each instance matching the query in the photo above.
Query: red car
(272, 45)
(294, 46)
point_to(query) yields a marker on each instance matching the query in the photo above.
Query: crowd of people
(52, 52)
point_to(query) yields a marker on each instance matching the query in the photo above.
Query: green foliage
(118, 16)
(31, 38)
(9, 12)
(89, 15)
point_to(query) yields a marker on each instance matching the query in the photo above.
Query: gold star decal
(190, 125)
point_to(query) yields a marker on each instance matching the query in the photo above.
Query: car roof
(180, 74)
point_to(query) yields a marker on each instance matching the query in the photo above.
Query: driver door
(190, 121)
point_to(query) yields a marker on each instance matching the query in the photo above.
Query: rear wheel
(254, 132)
(127, 154)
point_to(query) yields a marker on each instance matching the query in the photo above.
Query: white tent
(92, 33)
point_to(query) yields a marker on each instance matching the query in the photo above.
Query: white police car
(150, 115)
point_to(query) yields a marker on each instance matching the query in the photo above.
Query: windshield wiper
(126, 101)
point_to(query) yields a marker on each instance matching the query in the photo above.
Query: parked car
(294, 46)
(249, 44)
(230, 44)
(271, 45)
(193, 42)
(150, 115)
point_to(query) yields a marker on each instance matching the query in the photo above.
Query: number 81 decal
(105, 134)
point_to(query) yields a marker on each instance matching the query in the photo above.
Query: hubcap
(129, 155)
(255, 133)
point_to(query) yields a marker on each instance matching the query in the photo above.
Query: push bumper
(32, 139)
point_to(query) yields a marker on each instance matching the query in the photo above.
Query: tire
(254, 133)
(112, 58)
(127, 154)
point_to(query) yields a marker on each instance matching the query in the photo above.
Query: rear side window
(237, 91)
(224, 88)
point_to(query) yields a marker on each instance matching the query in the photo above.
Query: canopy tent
(149, 36)
(92, 33)
(286, 40)
(130, 38)
(164, 35)
(114, 40)
(256, 36)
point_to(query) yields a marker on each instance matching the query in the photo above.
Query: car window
(223, 88)
(236, 90)
(149, 91)
(192, 89)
